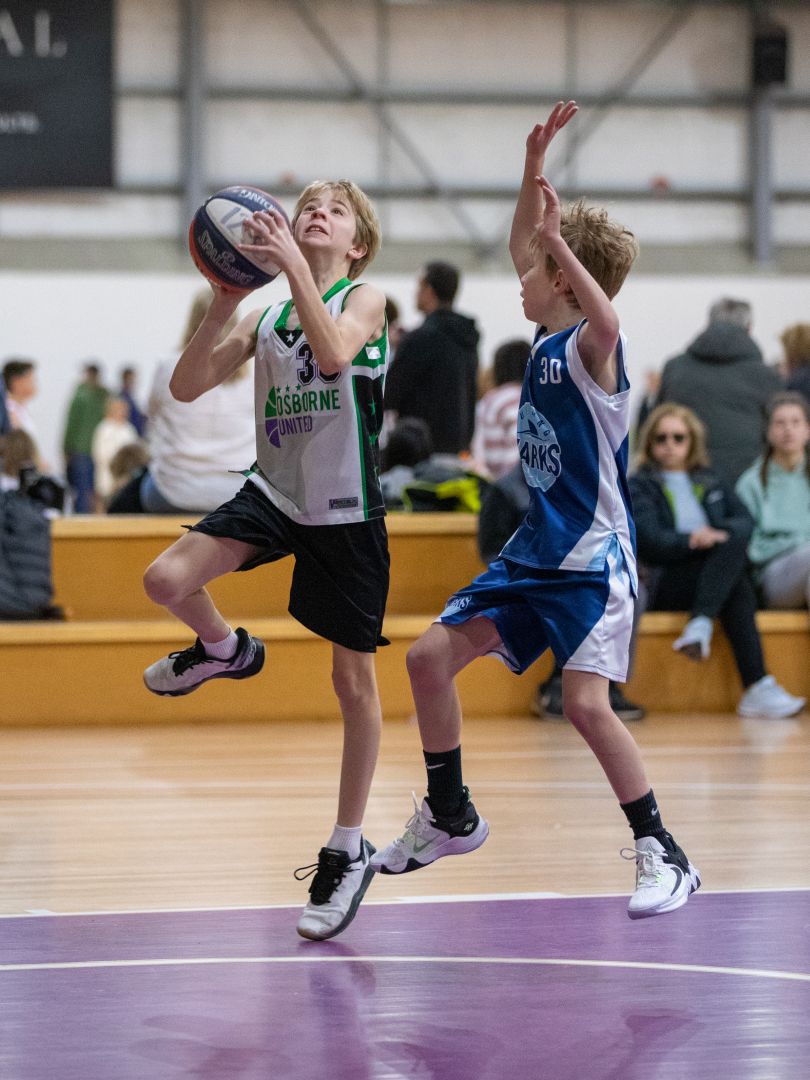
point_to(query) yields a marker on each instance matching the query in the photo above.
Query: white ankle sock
(222, 650)
(343, 839)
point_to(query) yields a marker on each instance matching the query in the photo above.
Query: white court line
(205, 961)
(250, 788)
(746, 749)
(396, 901)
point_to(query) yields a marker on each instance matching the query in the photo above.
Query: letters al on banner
(56, 93)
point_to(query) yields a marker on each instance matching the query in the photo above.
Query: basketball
(216, 232)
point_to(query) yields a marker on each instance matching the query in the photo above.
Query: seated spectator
(114, 432)
(504, 505)
(724, 380)
(127, 464)
(776, 490)
(26, 589)
(796, 343)
(494, 446)
(692, 534)
(413, 478)
(19, 471)
(198, 449)
(408, 444)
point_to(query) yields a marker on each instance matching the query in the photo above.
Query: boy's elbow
(331, 365)
(605, 336)
(181, 393)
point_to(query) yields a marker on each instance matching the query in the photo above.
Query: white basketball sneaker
(428, 838)
(665, 879)
(181, 672)
(336, 891)
(768, 700)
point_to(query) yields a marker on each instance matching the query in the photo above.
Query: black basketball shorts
(340, 580)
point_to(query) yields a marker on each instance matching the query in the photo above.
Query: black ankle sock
(444, 783)
(644, 818)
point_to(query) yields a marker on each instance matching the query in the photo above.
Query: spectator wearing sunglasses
(692, 532)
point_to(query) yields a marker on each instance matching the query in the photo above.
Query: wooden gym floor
(218, 815)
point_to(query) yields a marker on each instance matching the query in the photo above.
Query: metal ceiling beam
(433, 181)
(193, 96)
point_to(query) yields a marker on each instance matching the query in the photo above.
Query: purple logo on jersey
(538, 447)
(273, 434)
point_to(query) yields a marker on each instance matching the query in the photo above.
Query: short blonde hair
(199, 306)
(796, 343)
(697, 456)
(605, 248)
(368, 233)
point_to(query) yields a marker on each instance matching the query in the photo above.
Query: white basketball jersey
(317, 456)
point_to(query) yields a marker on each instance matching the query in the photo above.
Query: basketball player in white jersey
(567, 577)
(320, 361)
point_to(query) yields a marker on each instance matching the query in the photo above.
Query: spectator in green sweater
(85, 413)
(776, 491)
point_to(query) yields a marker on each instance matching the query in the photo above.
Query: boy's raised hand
(268, 238)
(548, 227)
(541, 135)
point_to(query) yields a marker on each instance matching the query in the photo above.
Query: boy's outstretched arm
(529, 208)
(203, 363)
(599, 336)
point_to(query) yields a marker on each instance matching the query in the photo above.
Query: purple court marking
(424, 991)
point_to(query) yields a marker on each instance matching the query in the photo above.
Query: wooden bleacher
(88, 669)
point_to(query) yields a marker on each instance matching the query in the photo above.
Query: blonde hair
(796, 343)
(199, 306)
(605, 248)
(367, 233)
(697, 456)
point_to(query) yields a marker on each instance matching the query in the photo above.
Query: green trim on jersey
(362, 456)
(281, 321)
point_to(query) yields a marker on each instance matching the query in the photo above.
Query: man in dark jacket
(433, 376)
(723, 378)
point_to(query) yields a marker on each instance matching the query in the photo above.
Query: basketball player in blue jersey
(567, 577)
(319, 362)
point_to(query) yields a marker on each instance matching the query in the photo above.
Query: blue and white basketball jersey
(573, 442)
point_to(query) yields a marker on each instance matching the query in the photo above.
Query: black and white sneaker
(428, 838)
(336, 891)
(181, 672)
(665, 879)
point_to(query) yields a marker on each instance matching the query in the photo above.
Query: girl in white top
(494, 446)
(112, 433)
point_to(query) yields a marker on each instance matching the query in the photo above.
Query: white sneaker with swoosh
(665, 879)
(428, 838)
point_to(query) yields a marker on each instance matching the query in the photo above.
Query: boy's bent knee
(162, 582)
(424, 663)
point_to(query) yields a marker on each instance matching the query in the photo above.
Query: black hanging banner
(56, 93)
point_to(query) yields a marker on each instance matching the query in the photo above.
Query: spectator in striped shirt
(494, 445)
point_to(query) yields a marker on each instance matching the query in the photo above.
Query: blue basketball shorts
(585, 617)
